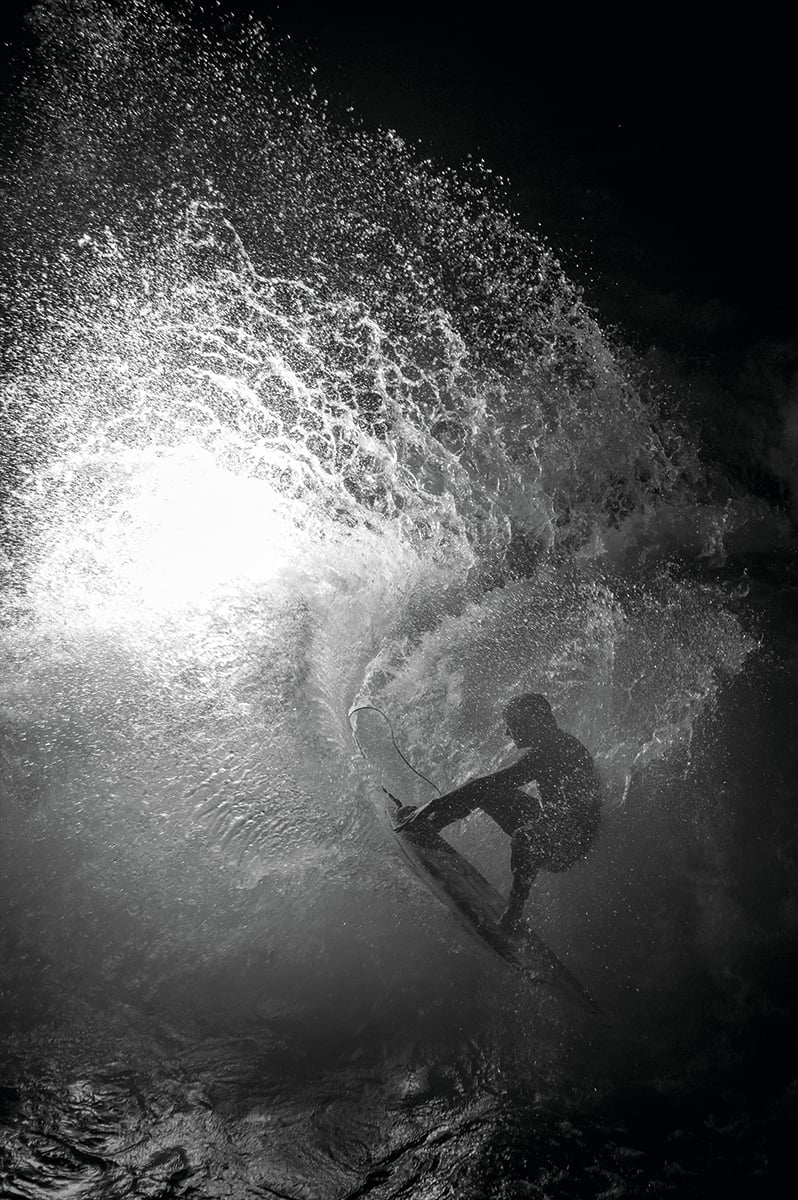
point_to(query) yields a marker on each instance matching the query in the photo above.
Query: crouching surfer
(550, 831)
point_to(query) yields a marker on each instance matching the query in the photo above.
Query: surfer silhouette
(548, 831)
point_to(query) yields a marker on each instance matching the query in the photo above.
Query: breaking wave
(293, 419)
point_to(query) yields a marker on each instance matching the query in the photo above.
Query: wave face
(293, 420)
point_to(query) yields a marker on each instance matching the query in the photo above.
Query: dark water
(292, 421)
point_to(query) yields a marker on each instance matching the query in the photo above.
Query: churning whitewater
(293, 420)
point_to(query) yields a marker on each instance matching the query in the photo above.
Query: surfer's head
(529, 719)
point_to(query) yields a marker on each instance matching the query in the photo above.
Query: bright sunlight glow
(197, 528)
(178, 530)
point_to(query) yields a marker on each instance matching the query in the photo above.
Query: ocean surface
(293, 421)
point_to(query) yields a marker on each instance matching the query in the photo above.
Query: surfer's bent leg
(524, 862)
(444, 810)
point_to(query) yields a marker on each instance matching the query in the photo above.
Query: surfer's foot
(405, 814)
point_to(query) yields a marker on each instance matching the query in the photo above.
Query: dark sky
(657, 157)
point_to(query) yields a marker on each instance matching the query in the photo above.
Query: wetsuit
(552, 832)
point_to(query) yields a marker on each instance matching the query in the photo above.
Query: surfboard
(478, 907)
